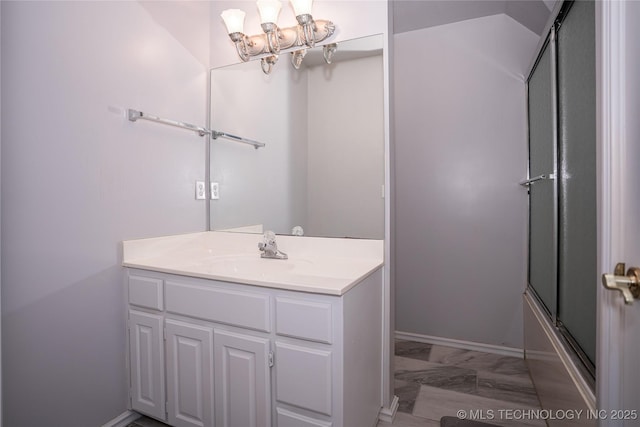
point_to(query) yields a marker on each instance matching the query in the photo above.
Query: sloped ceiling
(412, 15)
(187, 21)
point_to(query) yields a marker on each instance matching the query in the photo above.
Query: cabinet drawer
(146, 292)
(303, 377)
(308, 320)
(245, 309)
(291, 419)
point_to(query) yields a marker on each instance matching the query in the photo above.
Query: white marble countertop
(329, 266)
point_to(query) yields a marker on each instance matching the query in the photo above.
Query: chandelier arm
(297, 57)
(272, 35)
(309, 34)
(241, 48)
(267, 63)
(273, 41)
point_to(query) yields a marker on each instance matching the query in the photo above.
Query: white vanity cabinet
(238, 355)
(189, 365)
(146, 345)
(243, 383)
(146, 359)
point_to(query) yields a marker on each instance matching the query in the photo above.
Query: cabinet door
(304, 377)
(146, 354)
(189, 374)
(243, 397)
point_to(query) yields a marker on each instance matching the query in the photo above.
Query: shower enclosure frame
(551, 307)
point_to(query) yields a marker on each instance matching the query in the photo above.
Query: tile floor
(433, 381)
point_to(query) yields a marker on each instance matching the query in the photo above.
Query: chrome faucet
(269, 247)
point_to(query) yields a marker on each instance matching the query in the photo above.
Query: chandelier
(274, 40)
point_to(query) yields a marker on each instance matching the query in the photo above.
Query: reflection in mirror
(322, 168)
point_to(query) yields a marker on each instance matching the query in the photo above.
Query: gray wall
(77, 178)
(460, 151)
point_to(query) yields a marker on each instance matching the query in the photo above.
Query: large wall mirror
(323, 164)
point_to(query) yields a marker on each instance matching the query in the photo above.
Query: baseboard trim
(388, 414)
(123, 419)
(467, 345)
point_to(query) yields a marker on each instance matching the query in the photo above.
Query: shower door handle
(528, 182)
(628, 285)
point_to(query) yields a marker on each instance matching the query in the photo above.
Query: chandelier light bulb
(234, 20)
(301, 7)
(269, 10)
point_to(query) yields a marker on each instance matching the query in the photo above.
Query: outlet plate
(215, 191)
(200, 190)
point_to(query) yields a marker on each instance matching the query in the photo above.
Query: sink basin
(254, 265)
(293, 270)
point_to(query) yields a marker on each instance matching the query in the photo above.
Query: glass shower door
(562, 179)
(577, 184)
(542, 188)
